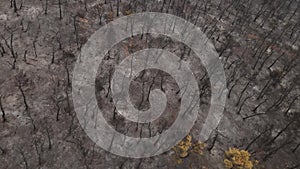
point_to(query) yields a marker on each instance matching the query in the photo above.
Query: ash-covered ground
(40, 41)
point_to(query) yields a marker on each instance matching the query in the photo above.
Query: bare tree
(213, 142)
(25, 56)
(60, 10)
(24, 158)
(3, 151)
(256, 107)
(2, 50)
(242, 93)
(34, 46)
(291, 104)
(2, 110)
(242, 104)
(253, 115)
(26, 106)
(15, 6)
(280, 132)
(269, 67)
(262, 92)
(279, 101)
(118, 7)
(46, 7)
(231, 88)
(48, 136)
(257, 137)
(276, 150)
(39, 150)
(100, 12)
(296, 147)
(10, 45)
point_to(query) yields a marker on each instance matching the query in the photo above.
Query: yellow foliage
(185, 147)
(228, 163)
(83, 20)
(110, 16)
(128, 12)
(238, 159)
(198, 148)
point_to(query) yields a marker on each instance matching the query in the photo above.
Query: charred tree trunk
(2, 110)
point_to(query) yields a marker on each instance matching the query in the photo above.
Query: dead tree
(296, 147)
(109, 81)
(259, 57)
(2, 50)
(100, 12)
(46, 7)
(26, 106)
(163, 5)
(248, 97)
(261, 103)
(53, 54)
(2, 150)
(231, 88)
(68, 110)
(291, 104)
(213, 142)
(257, 137)
(15, 61)
(66, 65)
(24, 158)
(25, 56)
(85, 5)
(118, 7)
(260, 11)
(169, 5)
(293, 30)
(264, 61)
(277, 8)
(111, 7)
(225, 48)
(222, 13)
(253, 115)
(10, 46)
(60, 10)
(71, 126)
(141, 103)
(234, 71)
(288, 67)
(242, 93)
(279, 101)
(2, 110)
(22, 25)
(15, 6)
(294, 13)
(34, 47)
(269, 67)
(280, 132)
(76, 31)
(262, 92)
(48, 137)
(150, 87)
(58, 110)
(276, 150)
(39, 150)
(115, 113)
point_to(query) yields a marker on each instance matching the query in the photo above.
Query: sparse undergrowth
(186, 147)
(238, 159)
